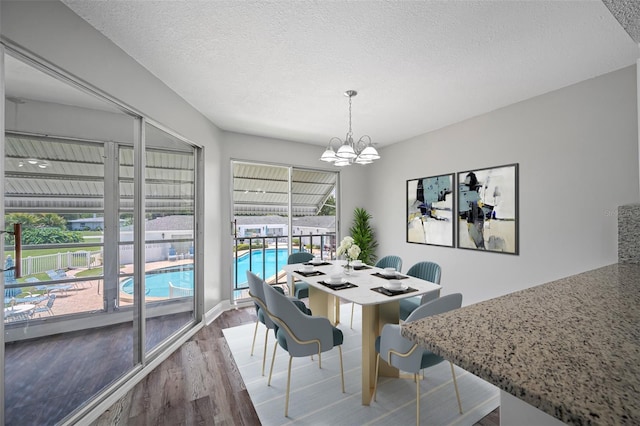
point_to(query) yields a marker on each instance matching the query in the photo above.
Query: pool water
(157, 281)
(270, 256)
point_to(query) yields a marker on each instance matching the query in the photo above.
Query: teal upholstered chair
(390, 261)
(408, 356)
(428, 271)
(256, 291)
(300, 335)
(300, 288)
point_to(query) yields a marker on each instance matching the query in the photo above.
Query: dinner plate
(401, 288)
(334, 282)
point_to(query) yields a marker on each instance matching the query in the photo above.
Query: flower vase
(348, 268)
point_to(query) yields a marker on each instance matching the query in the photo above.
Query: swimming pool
(269, 257)
(157, 281)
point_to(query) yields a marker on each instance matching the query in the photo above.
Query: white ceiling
(280, 68)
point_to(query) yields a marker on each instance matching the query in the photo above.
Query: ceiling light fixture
(347, 151)
(35, 162)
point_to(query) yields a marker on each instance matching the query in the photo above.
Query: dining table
(366, 286)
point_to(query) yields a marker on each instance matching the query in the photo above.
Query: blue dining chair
(256, 292)
(428, 271)
(300, 335)
(300, 288)
(390, 261)
(406, 355)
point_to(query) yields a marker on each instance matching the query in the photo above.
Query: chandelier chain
(350, 132)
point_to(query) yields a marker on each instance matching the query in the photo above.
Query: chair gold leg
(341, 368)
(255, 332)
(352, 308)
(455, 385)
(375, 379)
(286, 404)
(319, 359)
(264, 352)
(415, 377)
(273, 358)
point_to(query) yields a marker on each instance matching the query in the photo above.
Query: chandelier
(347, 151)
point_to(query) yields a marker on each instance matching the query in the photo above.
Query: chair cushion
(407, 306)
(338, 337)
(429, 359)
(302, 290)
(303, 308)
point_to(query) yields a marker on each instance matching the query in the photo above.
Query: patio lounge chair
(47, 307)
(172, 254)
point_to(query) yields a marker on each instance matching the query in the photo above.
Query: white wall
(578, 153)
(52, 31)
(237, 146)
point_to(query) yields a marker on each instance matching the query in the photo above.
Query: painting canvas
(430, 210)
(488, 209)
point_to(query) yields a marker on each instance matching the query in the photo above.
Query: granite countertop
(570, 347)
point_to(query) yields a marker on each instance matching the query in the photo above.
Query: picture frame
(488, 209)
(430, 210)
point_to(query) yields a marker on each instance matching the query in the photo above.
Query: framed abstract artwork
(430, 210)
(488, 209)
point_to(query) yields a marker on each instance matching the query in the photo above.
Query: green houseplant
(363, 236)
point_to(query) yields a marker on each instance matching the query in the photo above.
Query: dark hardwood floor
(199, 384)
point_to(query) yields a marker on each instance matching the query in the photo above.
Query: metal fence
(322, 245)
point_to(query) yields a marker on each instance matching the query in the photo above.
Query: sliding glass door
(99, 246)
(278, 210)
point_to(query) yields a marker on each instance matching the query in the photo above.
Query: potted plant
(363, 236)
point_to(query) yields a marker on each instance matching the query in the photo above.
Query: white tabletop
(365, 281)
(17, 309)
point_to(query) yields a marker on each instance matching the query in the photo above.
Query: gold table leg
(324, 304)
(374, 317)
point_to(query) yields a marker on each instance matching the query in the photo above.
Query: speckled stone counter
(570, 348)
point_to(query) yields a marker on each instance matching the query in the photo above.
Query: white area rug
(316, 397)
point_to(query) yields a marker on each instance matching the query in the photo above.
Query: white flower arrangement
(349, 249)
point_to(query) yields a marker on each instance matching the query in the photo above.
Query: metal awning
(264, 190)
(45, 174)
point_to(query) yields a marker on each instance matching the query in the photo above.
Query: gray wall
(578, 153)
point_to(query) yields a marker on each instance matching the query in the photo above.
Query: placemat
(390, 277)
(360, 268)
(390, 293)
(310, 274)
(317, 264)
(337, 287)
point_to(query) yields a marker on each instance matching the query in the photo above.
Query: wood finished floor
(199, 384)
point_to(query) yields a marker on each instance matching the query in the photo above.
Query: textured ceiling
(279, 68)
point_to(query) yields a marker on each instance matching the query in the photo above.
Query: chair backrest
(390, 261)
(12, 292)
(428, 271)
(304, 334)
(299, 257)
(392, 343)
(437, 306)
(256, 290)
(52, 298)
